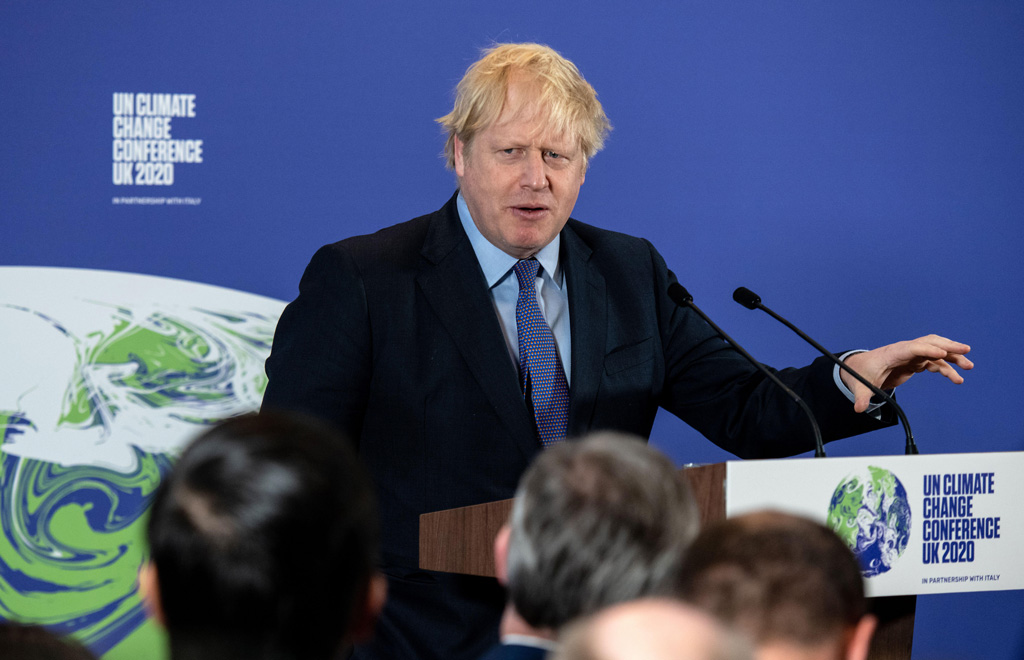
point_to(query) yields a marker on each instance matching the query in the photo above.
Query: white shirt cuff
(836, 371)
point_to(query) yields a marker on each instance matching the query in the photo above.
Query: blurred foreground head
(595, 522)
(789, 583)
(651, 629)
(30, 642)
(264, 543)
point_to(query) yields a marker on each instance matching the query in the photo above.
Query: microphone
(751, 300)
(680, 296)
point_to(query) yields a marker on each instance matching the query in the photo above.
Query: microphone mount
(751, 300)
(680, 296)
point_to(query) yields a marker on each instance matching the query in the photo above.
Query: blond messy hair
(568, 100)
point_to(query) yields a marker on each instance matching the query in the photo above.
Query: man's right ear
(501, 542)
(859, 644)
(459, 154)
(149, 591)
(365, 619)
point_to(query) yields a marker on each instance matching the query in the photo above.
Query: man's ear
(460, 156)
(860, 638)
(368, 611)
(501, 554)
(149, 591)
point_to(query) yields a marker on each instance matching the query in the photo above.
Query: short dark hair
(596, 522)
(777, 577)
(265, 533)
(20, 641)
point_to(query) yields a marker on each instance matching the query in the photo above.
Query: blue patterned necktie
(540, 369)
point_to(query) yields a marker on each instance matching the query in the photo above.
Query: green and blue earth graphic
(107, 377)
(871, 513)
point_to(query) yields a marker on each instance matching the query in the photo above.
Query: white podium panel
(919, 524)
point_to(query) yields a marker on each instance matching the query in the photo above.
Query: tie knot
(526, 271)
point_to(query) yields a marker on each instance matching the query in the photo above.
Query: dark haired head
(28, 642)
(779, 578)
(264, 536)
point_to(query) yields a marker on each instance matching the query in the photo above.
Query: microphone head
(679, 295)
(746, 297)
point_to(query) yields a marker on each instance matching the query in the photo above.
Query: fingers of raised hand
(948, 345)
(944, 368)
(959, 360)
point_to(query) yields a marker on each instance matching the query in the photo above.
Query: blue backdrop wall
(858, 165)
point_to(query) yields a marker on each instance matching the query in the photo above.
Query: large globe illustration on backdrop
(871, 513)
(106, 376)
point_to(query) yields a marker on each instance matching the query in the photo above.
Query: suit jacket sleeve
(320, 364)
(713, 388)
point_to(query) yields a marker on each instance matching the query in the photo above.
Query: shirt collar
(530, 640)
(496, 263)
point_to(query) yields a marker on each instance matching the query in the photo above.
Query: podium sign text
(919, 524)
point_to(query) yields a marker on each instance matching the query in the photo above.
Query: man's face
(519, 178)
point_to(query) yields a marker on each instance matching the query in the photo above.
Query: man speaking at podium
(452, 348)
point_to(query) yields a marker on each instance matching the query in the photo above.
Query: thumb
(862, 398)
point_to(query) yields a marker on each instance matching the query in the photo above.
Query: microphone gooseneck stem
(750, 300)
(682, 297)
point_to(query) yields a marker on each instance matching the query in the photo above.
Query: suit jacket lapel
(454, 285)
(589, 325)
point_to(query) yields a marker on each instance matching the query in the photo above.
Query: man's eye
(553, 155)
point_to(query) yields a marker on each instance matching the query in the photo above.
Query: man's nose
(534, 173)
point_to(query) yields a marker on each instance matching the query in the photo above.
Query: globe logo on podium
(871, 513)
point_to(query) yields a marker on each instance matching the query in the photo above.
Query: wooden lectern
(462, 541)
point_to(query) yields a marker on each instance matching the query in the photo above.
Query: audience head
(263, 540)
(29, 642)
(595, 522)
(651, 629)
(789, 583)
(568, 102)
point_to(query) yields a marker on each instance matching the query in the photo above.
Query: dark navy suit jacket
(394, 338)
(515, 652)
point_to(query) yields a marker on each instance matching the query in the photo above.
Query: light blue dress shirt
(552, 291)
(552, 296)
